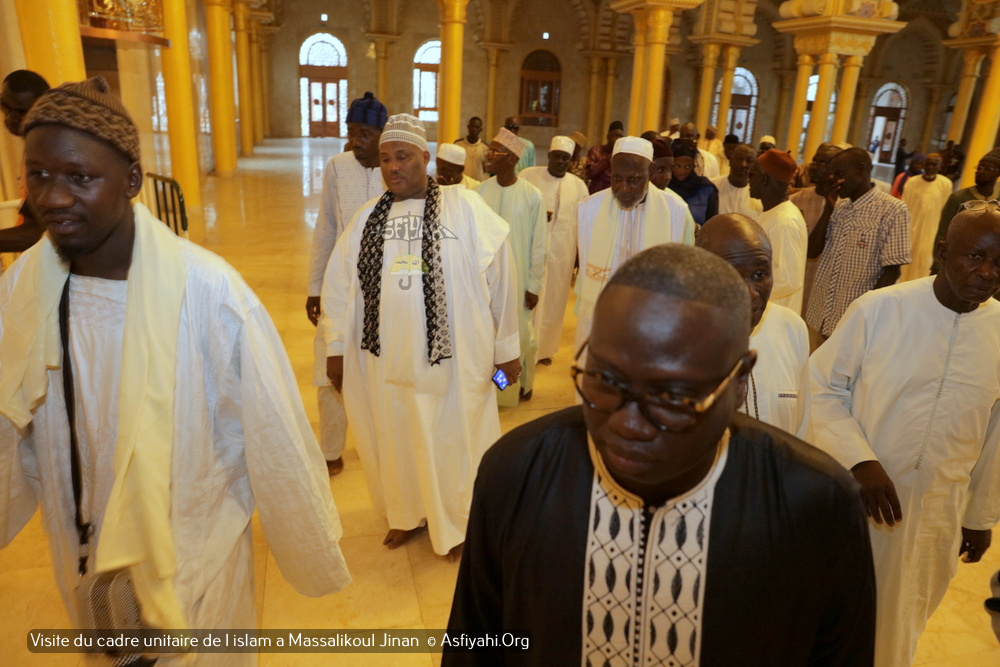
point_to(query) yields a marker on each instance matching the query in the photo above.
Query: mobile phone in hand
(500, 379)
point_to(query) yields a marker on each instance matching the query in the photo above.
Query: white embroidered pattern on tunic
(645, 573)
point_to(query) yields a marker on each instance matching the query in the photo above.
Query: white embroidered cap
(452, 153)
(509, 140)
(635, 146)
(406, 128)
(564, 144)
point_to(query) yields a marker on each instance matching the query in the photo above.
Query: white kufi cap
(452, 153)
(635, 146)
(564, 144)
(406, 128)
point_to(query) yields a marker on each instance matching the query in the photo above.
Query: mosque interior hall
(241, 103)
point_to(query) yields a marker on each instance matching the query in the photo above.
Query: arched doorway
(742, 106)
(540, 89)
(426, 66)
(887, 115)
(323, 86)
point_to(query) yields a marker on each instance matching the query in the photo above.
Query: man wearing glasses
(654, 524)
(906, 395)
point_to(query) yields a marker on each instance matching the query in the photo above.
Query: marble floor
(261, 221)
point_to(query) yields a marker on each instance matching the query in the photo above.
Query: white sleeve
(326, 232)
(827, 392)
(288, 476)
(789, 259)
(504, 303)
(340, 272)
(539, 247)
(983, 510)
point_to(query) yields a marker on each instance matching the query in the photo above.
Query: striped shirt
(863, 237)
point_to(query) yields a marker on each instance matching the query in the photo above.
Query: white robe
(736, 200)
(782, 343)
(914, 385)
(711, 165)
(562, 195)
(786, 228)
(925, 199)
(523, 207)
(347, 185)
(631, 238)
(421, 429)
(241, 441)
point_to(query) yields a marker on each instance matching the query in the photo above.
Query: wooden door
(324, 110)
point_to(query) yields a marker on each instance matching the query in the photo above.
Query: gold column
(609, 98)
(710, 58)
(221, 94)
(635, 107)
(730, 54)
(658, 20)
(382, 63)
(845, 101)
(493, 52)
(452, 42)
(50, 33)
(255, 84)
(799, 102)
(972, 60)
(786, 78)
(265, 76)
(181, 127)
(930, 115)
(827, 71)
(984, 131)
(241, 19)
(594, 97)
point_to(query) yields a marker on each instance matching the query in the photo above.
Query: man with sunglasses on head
(906, 395)
(654, 524)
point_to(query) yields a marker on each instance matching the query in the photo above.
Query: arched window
(323, 86)
(742, 106)
(887, 115)
(540, 77)
(426, 63)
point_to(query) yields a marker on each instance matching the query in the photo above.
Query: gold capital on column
(845, 101)
(710, 58)
(984, 131)
(222, 107)
(241, 20)
(729, 57)
(181, 128)
(50, 36)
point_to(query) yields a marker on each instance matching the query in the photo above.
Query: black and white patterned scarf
(370, 272)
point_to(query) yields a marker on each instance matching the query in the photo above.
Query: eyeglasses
(980, 204)
(666, 412)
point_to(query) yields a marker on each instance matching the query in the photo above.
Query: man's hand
(335, 371)
(530, 301)
(974, 544)
(878, 493)
(313, 309)
(512, 369)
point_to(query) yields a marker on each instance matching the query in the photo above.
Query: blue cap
(367, 110)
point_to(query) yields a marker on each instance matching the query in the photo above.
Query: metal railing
(169, 202)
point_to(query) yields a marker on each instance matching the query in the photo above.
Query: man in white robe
(522, 205)
(734, 187)
(562, 192)
(779, 335)
(614, 224)
(906, 395)
(349, 180)
(925, 196)
(450, 163)
(784, 225)
(417, 380)
(185, 410)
